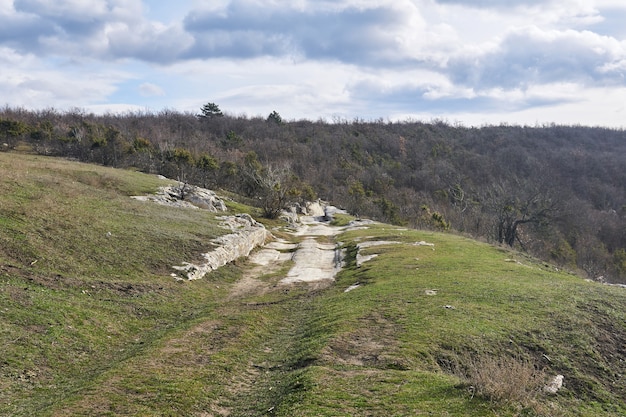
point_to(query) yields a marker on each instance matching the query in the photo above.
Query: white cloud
(494, 4)
(294, 89)
(532, 56)
(45, 88)
(31, 82)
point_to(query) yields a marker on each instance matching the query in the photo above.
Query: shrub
(505, 379)
(511, 380)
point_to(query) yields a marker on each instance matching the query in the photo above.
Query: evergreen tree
(210, 110)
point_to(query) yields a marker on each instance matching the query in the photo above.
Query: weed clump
(507, 380)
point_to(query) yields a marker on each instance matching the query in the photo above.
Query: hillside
(415, 323)
(555, 192)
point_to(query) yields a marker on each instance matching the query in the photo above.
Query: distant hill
(416, 322)
(556, 192)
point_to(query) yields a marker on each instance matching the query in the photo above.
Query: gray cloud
(105, 29)
(23, 31)
(67, 17)
(328, 31)
(54, 27)
(148, 43)
(364, 36)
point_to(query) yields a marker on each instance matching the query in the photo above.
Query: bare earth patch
(266, 260)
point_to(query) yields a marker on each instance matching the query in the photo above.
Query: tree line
(557, 192)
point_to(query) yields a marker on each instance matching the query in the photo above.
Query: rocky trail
(314, 260)
(311, 247)
(266, 316)
(313, 256)
(306, 260)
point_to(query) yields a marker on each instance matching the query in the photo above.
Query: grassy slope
(97, 327)
(74, 301)
(418, 349)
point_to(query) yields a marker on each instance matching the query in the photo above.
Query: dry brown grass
(510, 380)
(505, 379)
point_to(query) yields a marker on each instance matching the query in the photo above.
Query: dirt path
(313, 262)
(279, 288)
(313, 259)
(268, 260)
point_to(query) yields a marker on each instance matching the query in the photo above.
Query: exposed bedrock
(246, 235)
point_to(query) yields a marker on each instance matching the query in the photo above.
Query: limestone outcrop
(186, 196)
(246, 235)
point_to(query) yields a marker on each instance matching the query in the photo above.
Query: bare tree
(513, 207)
(273, 185)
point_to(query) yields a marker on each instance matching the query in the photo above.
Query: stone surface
(247, 235)
(352, 287)
(313, 262)
(194, 197)
(555, 385)
(361, 259)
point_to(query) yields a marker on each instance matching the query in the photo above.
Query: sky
(469, 62)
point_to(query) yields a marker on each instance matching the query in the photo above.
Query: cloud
(63, 27)
(531, 56)
(294, 89)
(42, 88)
(71, 17)
(435, 95)
(23, 30)
(494, 4)
(247, 29)
(146, 41)
(150, 90)
(34, 82)
(97, 29)
(556, 14)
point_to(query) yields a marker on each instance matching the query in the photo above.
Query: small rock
(352, 287)
(449, 307)
(555, 385)
(430, 292)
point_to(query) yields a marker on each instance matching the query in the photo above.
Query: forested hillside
(558, 192)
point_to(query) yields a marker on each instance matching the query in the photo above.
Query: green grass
(92, 323)
(341, 219)
(557, 321)
(85, 279)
